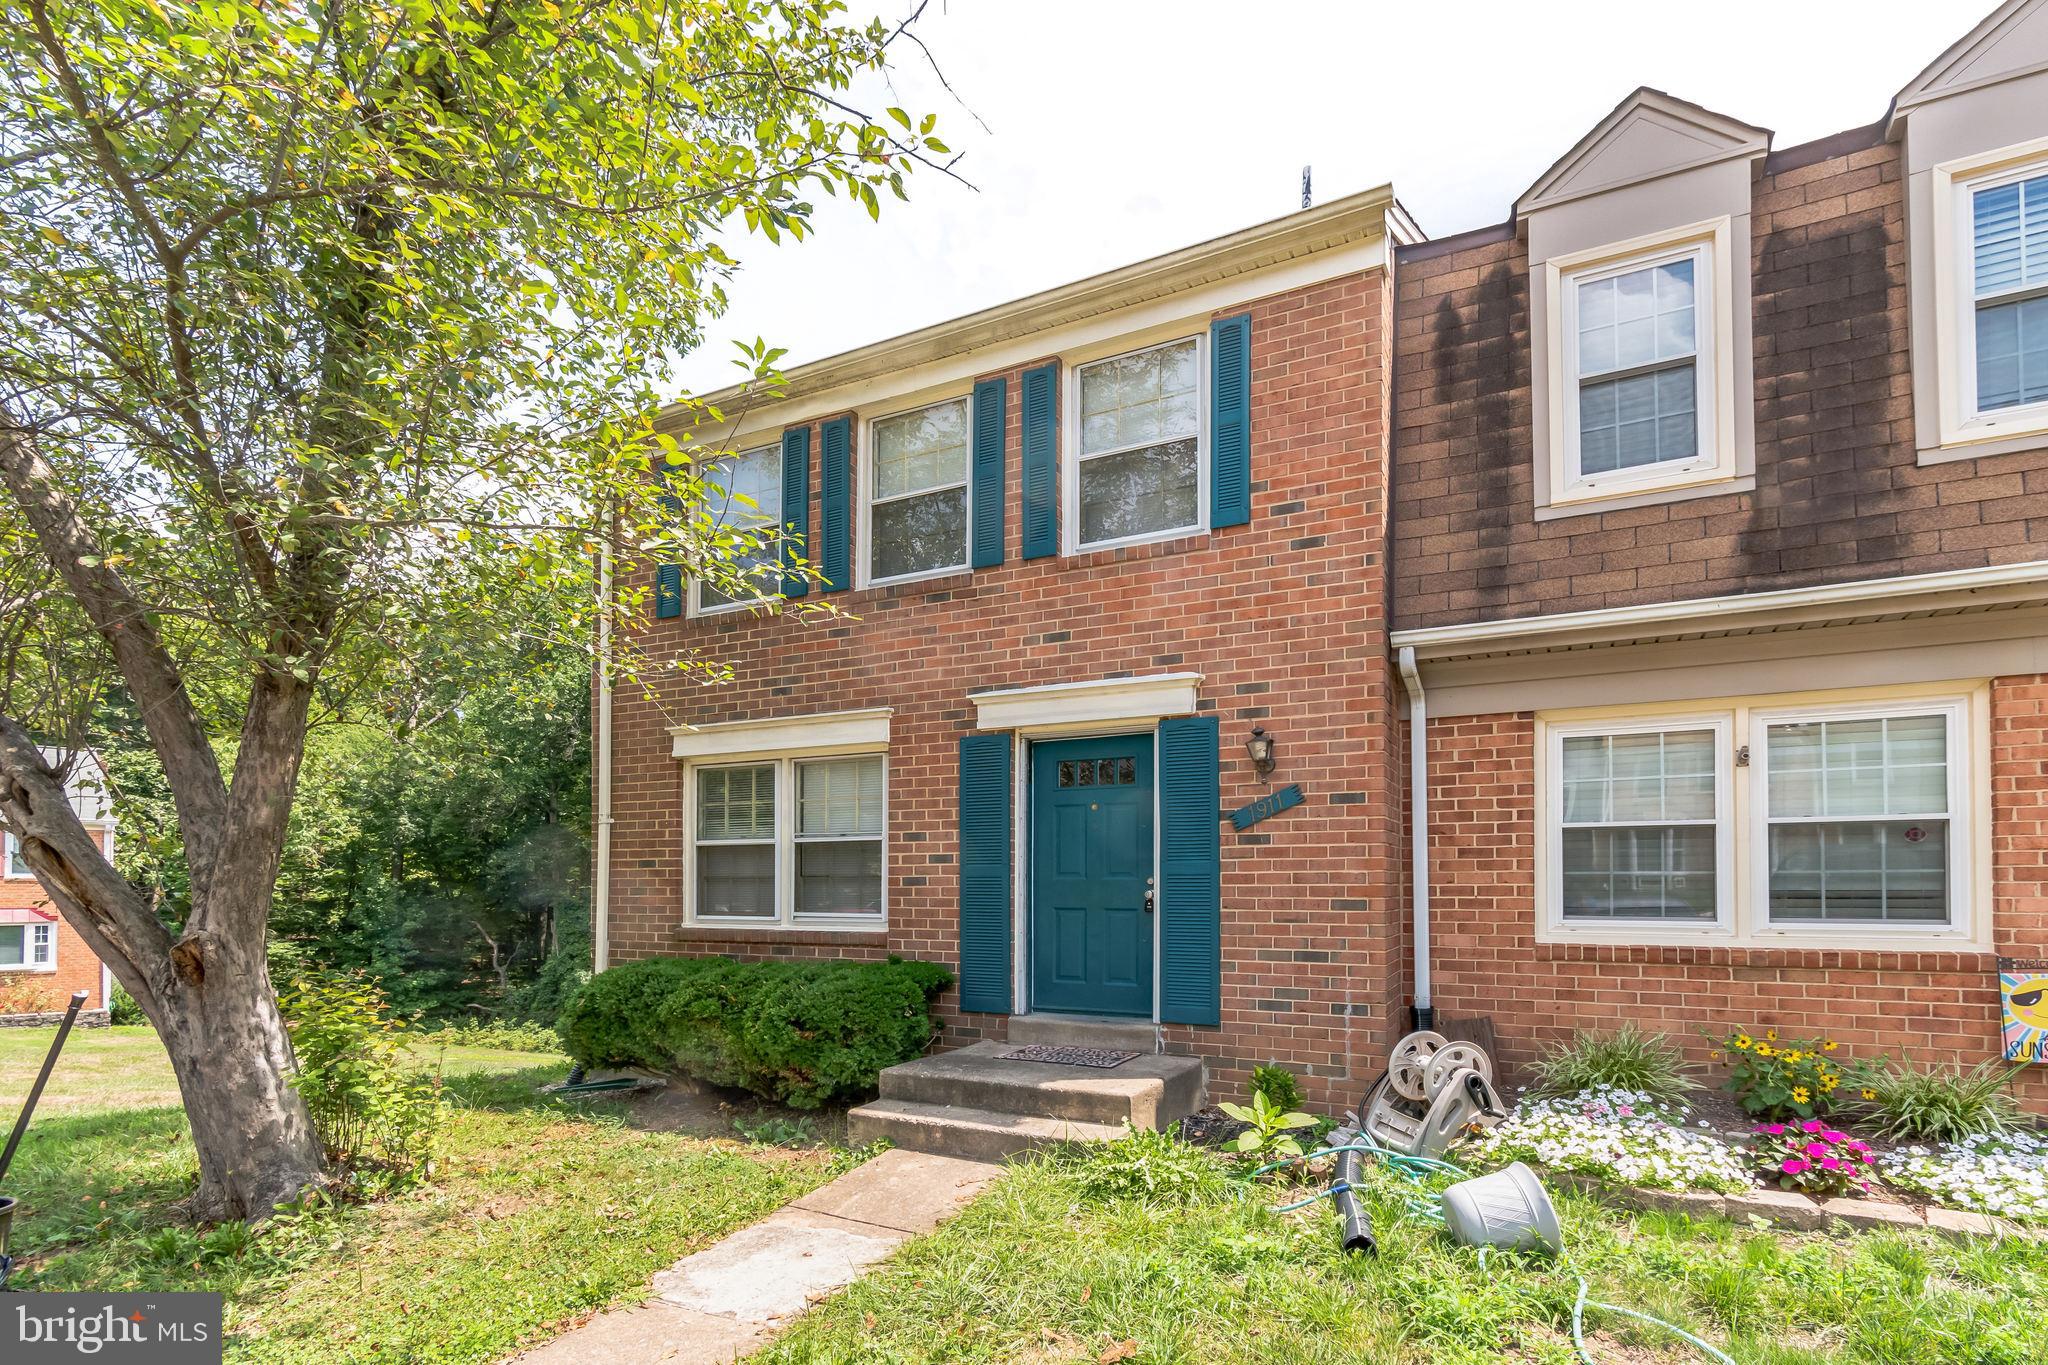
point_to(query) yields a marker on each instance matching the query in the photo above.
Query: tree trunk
(228, 1046)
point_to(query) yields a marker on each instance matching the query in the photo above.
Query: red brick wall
(1839, 495)
(77, 967)
(1285, 620)
(1928, 1006)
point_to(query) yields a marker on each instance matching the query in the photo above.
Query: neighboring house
(1089, 542)
(42, 958)
(1721, 550)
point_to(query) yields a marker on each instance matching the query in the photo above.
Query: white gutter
(601, 897)
(1890, 594)
(1418, 829)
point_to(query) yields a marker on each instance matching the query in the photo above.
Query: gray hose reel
(1433, 1092)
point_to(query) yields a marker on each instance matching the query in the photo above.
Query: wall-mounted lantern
(1260, 747)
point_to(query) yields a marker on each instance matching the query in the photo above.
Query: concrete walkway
(733, 1297)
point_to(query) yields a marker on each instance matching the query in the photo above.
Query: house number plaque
(1287, 798)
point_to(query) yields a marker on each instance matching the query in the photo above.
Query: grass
(539, 1211)
(1629, 1058)
(1039, 1270)
(1938, 1103)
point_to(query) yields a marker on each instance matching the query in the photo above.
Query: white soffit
(1088, 703)
(1956, 590)
(2012, 41)
(1649, 134)
(787, 734)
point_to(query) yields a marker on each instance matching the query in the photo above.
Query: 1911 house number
(1288, 797)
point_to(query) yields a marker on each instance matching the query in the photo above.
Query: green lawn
(1038, 1271)
(539, 1211)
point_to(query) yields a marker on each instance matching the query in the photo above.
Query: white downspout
(1418, 829)
(601, 898)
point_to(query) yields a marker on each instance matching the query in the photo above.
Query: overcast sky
(1119, 129)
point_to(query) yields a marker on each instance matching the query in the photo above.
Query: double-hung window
(15, 866)
(30, 946)
(1859, 818)
(743, 495)
(917, 492)
(1639, 351)
(1139, 466)
(1638, 838)
(789, 841)
(2008, 290)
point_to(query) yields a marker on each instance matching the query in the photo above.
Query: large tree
(327, 332)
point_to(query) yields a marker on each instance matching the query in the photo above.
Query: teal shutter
(985, 874)
(835, 482)
(796, 507)
(668, 578)
(668, 590)
(990, 395)
(1230, 421)
(1041, 462)
(1190, 872)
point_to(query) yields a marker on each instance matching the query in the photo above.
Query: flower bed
(2005, 1175)
(1617, 1135)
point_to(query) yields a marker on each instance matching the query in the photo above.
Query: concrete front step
(975, 1134)
(1148, 1091)
(1085, 1030)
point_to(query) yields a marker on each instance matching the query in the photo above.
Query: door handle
(1149, 894)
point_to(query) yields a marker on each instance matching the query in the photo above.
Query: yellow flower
(1869, 1094)
(1743, 1042)
(1800, 1094)
(1794, 1055)
(1828, 1083)
(1771, 1036)
(1766, 1050)
(1830, 1045)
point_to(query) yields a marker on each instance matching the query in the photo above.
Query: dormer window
(1635, 343)
(1643, 345)
(2009, 294)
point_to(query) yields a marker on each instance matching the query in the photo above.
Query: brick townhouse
(1090, 546)
(42, 958)
(1720, 568)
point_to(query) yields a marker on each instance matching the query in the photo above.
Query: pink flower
(1834, 1135)
(1774, 1129)
(1811, 1126)
(1829, 1163)
(1625, 1112)
(1816, 1149)
(1793, 1165)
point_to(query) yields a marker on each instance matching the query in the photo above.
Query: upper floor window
(15, 865)
(743, 493)
(2009, 289)
(1638, 347)
(1140, 453)
(28, 945)
(917, 493)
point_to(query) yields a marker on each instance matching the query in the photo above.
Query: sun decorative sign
(2023, 988)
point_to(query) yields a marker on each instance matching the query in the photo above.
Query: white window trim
(1070, 449)
(29, 932)
(785, 921)
(1053, 706)
(1744, 836)
(1550, 776)
(1961, 849)
(696, 604)
(1710, 243)
(863, 474)
(1955, 297)
(8, 844)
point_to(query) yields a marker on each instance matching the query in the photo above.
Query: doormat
(1100, 1057)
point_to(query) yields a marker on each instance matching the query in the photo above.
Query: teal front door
(1092, 876)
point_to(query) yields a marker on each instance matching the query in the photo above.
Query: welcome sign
(2023, 990)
